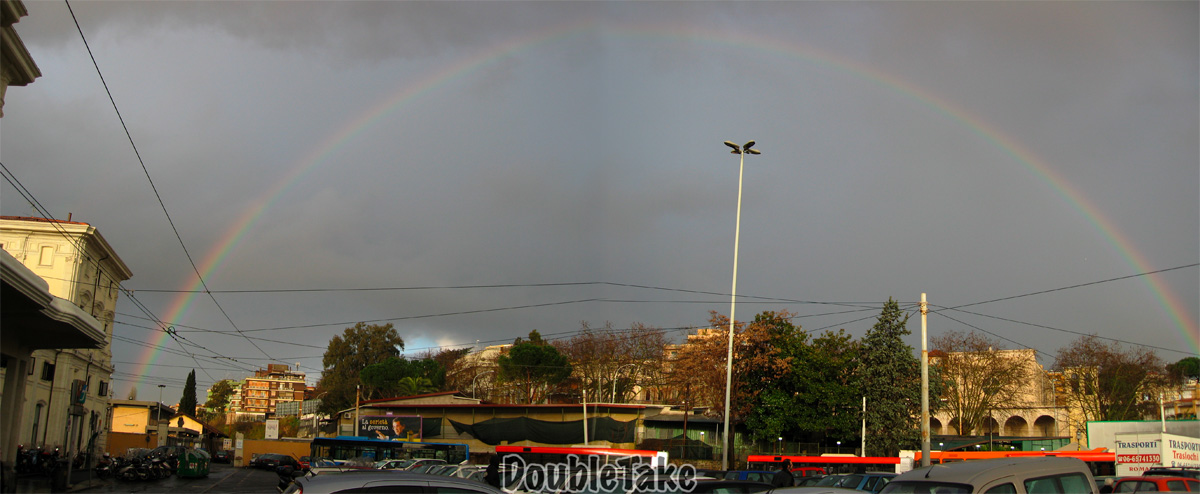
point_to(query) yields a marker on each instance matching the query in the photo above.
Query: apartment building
(257, 397)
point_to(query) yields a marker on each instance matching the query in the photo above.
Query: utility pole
(924, 384)
(864, 429)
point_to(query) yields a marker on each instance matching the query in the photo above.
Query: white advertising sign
(1136, 453)
(227, 443)
(1180, 451)
(272, 431)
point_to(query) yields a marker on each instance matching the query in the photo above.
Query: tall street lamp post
(618, 373)
(741, 151)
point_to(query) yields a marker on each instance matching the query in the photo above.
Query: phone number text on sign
(1139, 458)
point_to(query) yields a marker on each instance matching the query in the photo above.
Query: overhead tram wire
(1079, 333)
(1042, 292)
(852, 304)
(79, 246)
(151, 180)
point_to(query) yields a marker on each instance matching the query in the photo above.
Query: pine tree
(891, 382)
(187, 403)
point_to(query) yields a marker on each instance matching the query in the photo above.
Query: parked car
(1042, 475)
(465, 471)
(1190, 472)
(420, 465)
(809, 481)
(829, 480)
(386, 481)
(711, 486)
(710, 473)
(1156, 483)
(222, 456)
(865, 482)
(271, 461)
(393, 464)
(751, 475)
(808, 472)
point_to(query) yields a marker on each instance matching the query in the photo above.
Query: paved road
(222, 478)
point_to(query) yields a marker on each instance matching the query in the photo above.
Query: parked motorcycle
(47, 461)
(103, 468)
(135, 469)
(26, 458)
(158, 468)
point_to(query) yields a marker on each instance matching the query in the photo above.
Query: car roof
(334, 482)
(971, 472)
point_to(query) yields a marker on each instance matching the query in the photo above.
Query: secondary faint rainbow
(182, 304)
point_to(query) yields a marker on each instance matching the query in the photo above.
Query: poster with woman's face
(390, 427)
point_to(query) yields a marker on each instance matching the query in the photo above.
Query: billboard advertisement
(390, 427)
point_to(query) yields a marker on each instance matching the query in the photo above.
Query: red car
(1156, 484)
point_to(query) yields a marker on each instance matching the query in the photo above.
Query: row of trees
(787, 382)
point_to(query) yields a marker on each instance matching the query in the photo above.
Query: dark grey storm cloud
(970, 150)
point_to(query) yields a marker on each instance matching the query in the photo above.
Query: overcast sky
(564, 161)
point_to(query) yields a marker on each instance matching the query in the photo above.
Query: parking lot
(222, 478)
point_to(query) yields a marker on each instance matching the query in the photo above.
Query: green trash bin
(193, 464)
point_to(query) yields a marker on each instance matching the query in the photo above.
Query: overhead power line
(148, 178)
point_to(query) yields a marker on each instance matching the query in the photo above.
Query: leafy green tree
(218, 396)
(1187, 368)
(890, 379)
(533, 365)
(350, 353)
(767, 352)
(410, 386)
(827, 400)
(383, 379)
(187, 403)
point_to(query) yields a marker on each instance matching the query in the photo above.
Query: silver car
(387, 481)
(1032, 475)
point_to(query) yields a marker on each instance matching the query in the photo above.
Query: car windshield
(926, 488)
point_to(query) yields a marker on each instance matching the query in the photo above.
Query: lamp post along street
(615, 375)
(741, 151)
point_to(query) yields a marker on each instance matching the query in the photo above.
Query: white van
(1038, 475)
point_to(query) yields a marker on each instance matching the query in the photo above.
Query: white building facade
(68, 389)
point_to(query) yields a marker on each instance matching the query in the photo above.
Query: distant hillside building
(258, 396)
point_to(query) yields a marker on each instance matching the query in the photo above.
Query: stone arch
(1045, 425)
(1016, 426)
(952, 427)
(989, 425)
(935, 426)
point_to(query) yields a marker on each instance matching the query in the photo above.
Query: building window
(47, 371)
(47, 258)
(103, 390)
(37, 416)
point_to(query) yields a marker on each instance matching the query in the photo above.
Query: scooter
(103, 467)
(135, 469)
